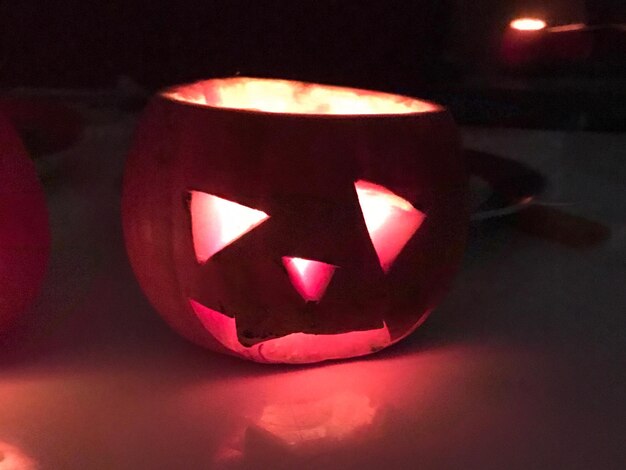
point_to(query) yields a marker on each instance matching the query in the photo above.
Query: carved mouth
(296, 348)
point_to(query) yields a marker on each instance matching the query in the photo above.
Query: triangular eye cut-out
(310, 278)
(390, 220)
(217, 222)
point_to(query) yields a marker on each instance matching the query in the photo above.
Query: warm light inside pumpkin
(217, 222)
(390, 220)
(285, 96)
(528, 24)
(295, 347)
(310, 278)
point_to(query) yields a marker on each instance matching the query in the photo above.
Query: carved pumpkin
(289, 222)
(24, 232)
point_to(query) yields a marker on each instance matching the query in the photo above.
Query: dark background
(79, 43)
(394, 45)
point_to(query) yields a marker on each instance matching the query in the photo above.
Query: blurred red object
(24, 231)
(45, 125)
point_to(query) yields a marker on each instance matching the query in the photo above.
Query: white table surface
(522, 366)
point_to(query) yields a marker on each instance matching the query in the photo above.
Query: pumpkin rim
(410, 106)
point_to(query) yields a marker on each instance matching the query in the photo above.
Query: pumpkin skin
(24, 230)
(301, 160)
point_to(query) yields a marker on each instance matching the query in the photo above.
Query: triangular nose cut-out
(217, 222)
(310, 278)
(390, 220)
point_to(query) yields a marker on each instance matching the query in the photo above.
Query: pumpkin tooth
(294, 347)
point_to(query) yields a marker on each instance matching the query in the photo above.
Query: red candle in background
(530, 42)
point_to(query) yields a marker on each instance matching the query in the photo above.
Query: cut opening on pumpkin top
(292, 97)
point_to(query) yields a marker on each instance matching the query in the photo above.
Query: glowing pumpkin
(24, 232)
(289, 222)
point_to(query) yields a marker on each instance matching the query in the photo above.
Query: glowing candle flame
(528, 24)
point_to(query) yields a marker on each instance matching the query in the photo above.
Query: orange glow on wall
(285, 96)
(310, 278)
(391, 220)
(528, 24)
(296, 348)
(217, 222)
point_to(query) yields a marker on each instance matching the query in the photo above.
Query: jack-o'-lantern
(24, 232)
(291, 222)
